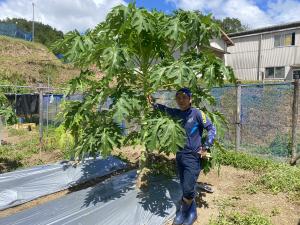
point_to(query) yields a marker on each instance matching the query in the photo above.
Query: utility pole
(32, 21)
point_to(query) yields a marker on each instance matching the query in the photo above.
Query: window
(275, 72)
(287, 39)
(277, 40)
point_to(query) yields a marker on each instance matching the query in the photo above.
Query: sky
(68, 15)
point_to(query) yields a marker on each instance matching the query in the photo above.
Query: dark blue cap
(185, 91)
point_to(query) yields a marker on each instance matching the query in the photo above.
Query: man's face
(183, 101)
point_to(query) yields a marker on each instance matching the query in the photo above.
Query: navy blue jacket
(194, 121)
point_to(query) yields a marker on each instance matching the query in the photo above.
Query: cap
(185, 91)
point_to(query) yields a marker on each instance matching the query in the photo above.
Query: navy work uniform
(194, 122)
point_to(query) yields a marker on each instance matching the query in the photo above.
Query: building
(270, 53)
(220, 45)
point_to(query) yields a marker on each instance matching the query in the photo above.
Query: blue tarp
(115, 202)
(24, 185)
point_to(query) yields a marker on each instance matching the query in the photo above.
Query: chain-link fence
(265, 114)
(259, 115)
(13, 31)
(266, 119)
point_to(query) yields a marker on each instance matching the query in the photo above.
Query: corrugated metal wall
(243, 57)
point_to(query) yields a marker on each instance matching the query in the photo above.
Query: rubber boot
(191, 215)
(181, 213)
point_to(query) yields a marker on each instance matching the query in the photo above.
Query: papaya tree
(139, 52)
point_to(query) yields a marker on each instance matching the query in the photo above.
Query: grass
(230, 214)
(31, 63)
(237, 218)
(274, 176)
(25, 152)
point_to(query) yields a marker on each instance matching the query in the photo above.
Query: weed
(252, 188)
(236, 218)
(15, 132)
(275, 211)
(244, 161)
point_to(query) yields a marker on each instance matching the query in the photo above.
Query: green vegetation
(7, 115)
(274, 177)
(44, 34)
(25, 151)
(232, 25)
(237, 218)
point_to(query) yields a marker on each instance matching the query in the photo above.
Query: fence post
(295, 120)
(1, 128)
(238, 116)
(41, 118)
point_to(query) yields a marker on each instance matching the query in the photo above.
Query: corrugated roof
(266, 29)
(227, 39)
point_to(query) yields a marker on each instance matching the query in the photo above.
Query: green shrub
(281, 145)
(283, 178)
(236, 218)
(244, 161)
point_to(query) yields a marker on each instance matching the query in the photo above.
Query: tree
(232, 25)
(139, 52)
(44, 34)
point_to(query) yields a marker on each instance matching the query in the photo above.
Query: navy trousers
(188, 166)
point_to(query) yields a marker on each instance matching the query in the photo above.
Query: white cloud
(284, 11)
(254, 13)
(64, 15)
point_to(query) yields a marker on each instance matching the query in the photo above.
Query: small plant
(6, 111)
(65, 142)
(252, 188)
(275, 211)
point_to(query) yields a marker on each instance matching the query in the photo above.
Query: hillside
(27, 63)
(44, 34)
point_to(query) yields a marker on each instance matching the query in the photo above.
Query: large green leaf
(142, 21)
(126, 105)
(178, 73)
(163, 134)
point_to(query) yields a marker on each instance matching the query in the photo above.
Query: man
(188, 158)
